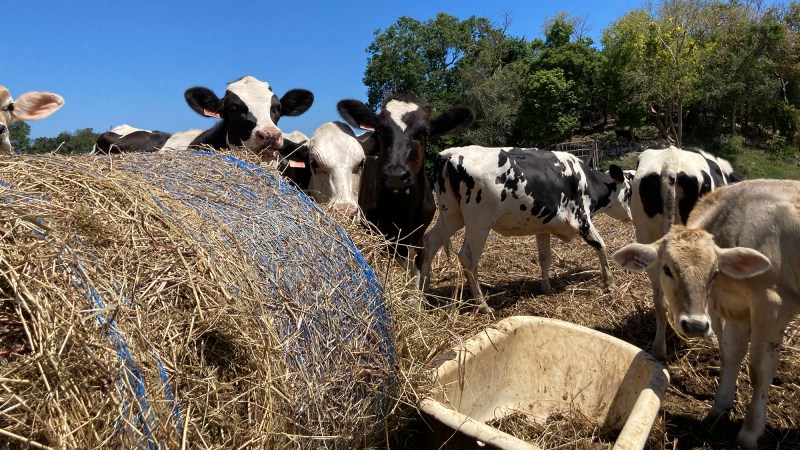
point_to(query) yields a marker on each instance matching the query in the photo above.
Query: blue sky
(118, 62)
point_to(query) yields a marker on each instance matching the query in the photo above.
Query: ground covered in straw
(510, 276)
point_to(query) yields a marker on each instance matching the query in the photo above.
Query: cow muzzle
(398, 178)
(694, 326)
(270, 138)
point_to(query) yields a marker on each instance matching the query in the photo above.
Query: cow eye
(275, 109)
(10, 107)
(667, 272)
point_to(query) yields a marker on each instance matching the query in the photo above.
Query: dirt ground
(509, 275)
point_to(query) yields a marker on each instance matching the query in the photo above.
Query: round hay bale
(156, 300)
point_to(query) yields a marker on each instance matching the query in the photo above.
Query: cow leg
(446, 225)
(545, 259)
(592, 237)
(659, 341)
(469, 255)
(733, 338)
(769, 321)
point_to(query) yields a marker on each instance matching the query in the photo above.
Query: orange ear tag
(209, 113)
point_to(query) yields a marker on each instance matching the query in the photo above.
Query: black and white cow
(249, 113)
(124, 139)
(667, 185)
(29, 106)
(520, 192)
(395, 193)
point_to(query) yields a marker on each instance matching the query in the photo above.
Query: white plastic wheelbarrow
(542, 367)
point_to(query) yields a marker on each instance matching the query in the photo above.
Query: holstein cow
(734, 269)
(29, 106)
(336, 159)
(249, 113)
(399, 199)
(124, 139)
(520, 192)
(667, 184)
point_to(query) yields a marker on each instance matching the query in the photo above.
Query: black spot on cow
(502, 159)
(523, 207)
(691, 193)
(650, 192)
(503, 195)
(478, 196)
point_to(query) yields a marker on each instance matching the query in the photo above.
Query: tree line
(696, 70)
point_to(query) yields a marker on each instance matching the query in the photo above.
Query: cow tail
(668, 177)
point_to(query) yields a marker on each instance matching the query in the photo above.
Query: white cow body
(734, 269)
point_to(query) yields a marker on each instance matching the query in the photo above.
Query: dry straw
(184, 300)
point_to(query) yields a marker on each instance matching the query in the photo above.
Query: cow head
(400, 133)
(689, 263)
(29, 106)
(250, 111)
(619, 206)
(337, 161)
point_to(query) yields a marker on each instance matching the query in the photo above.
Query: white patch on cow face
(619, 206)
(259, 100)
(336, 163)
(398, 109)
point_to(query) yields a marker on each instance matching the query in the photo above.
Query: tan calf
(29, 106)
(734, 270)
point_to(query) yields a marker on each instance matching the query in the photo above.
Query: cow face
(619, 206)
(29, 106)
(250, 111)
(689, 263)
(337, 161)
(400, 136)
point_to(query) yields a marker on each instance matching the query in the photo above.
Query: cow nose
(397, 177)
(694, 327)
(269, 138)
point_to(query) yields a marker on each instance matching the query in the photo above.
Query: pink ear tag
(297, 163)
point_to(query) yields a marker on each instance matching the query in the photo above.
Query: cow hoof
(485, 309)
(747, 440)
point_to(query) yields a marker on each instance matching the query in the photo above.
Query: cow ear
(452, 121)
(742, 262)
(204, 101)
(357, 114)
(296, 102)
(636, 257)
(36, 105)
(369, 143)
(617, 174)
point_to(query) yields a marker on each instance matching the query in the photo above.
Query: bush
(778, 148)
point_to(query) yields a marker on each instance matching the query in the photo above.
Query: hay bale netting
(161, 299)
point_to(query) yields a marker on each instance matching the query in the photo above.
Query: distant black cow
(399, 199)
(124, 139)
(249, 113)
(520, 192)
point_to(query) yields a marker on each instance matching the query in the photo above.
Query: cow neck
(599, 191)
(215, 136)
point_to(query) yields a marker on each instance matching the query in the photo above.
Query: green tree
(80, 141)
(660, 52)
(549, 110)
(19, 133)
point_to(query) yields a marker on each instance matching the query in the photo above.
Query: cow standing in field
(29, 106)
(399, 199)
(248, 112)
(520, 192)
(667, 184)
(734, 269)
